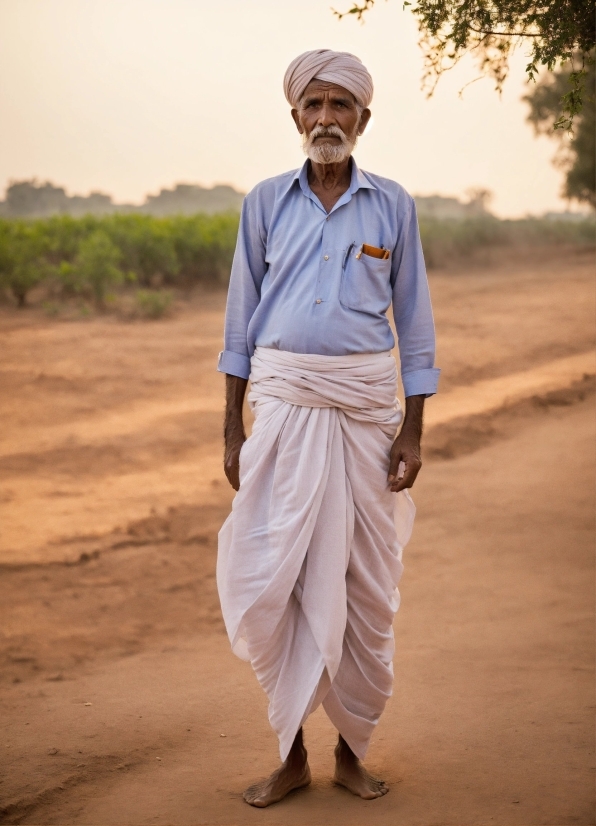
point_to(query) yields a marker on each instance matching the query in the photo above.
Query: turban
(342, 68)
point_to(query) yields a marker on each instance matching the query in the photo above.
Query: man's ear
(296, 117)
(364, 119)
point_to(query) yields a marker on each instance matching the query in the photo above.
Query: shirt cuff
(234, 364)
(421, 382)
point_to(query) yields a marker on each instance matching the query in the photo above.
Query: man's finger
(395, 469)
(232, 471)
(234, 480)
(409, 477)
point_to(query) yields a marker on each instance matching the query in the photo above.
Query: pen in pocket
(347, 255)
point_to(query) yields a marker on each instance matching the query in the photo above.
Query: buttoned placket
(329, 243)
(327, 259)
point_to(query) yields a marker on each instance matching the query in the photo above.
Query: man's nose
(326, 116)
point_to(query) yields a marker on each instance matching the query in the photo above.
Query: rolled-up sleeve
(412, 311)
(248, 270)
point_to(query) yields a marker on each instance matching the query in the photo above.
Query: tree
(560, 32)
(146, 245)
(28, 199)
(96, 265)
(22, 258)
(576, 155)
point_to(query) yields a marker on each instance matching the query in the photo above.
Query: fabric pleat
(310, 557)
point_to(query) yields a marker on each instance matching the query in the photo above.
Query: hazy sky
(128, 96)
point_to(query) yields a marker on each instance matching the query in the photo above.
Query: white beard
(325, 153)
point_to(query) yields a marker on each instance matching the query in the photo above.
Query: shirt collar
(358, 181)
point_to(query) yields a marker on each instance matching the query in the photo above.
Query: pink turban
(342, 68)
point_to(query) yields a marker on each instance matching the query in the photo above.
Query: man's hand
(234, 435)
(406, 447)
(232, 460)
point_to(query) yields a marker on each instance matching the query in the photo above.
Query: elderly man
(310, 557)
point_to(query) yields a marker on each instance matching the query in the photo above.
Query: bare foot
(276, 787)
(351, 774)
(293, 774)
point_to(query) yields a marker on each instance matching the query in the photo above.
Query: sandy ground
(121, 703)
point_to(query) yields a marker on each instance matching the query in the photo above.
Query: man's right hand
(232, 460)
(234, 434)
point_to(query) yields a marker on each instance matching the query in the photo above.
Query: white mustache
(327, 132)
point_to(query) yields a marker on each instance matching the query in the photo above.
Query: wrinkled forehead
(321, 88)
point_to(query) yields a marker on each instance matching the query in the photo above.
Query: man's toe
(251, 794)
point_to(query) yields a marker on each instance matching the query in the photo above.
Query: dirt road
(119, 658)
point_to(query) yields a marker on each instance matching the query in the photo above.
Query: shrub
(146, 245)
(152, 303)
(22, 258)
(87, 254)
(447, 240)
(51, 308)
(96, 266)
(204, 246)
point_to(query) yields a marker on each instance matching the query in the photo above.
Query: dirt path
(105, 422)
(111, 495)
(492, 718)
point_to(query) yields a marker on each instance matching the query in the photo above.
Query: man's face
(329, 121)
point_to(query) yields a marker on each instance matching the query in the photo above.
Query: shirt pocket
(366, 284)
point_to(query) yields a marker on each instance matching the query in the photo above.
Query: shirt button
(326, 257)
(318, 301)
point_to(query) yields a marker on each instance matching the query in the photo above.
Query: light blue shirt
(299, 284)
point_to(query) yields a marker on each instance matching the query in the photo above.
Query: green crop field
(94, 258)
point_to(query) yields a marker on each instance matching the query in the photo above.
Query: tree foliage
(23, 258)
(577, 153)
(97, 265)
(558, 32)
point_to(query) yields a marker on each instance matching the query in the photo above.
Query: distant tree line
(31, 199)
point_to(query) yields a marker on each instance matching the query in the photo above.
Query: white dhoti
(310, 557)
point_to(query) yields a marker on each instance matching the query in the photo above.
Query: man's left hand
(406, 450)
(406, 447)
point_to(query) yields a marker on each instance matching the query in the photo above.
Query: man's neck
(330, 176)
